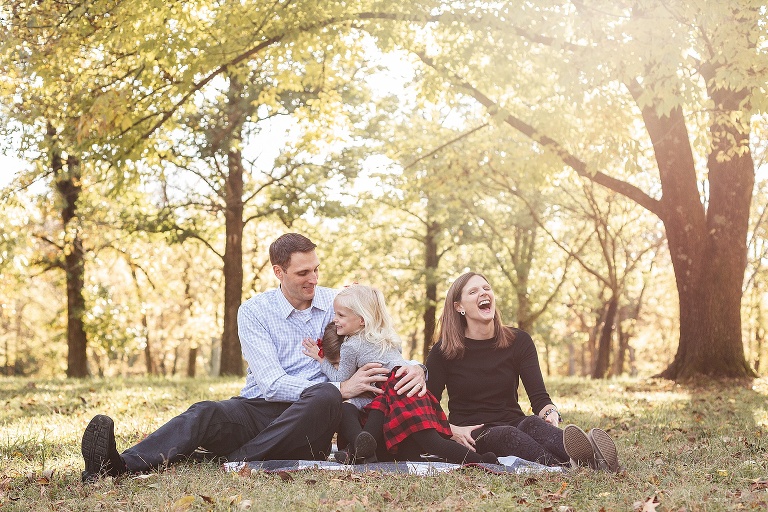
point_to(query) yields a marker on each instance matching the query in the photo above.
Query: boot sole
(365, 446)
(95, 445)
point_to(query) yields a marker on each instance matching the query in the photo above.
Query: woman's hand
(463, 435)
(550, 415)
(311, 349)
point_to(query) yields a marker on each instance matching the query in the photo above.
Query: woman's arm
(533, 380)
(438, 372)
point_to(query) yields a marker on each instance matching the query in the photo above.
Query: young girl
(361, 317)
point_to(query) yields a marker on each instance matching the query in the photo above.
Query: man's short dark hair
(281, 249)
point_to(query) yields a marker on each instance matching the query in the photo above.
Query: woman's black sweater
(482, 385)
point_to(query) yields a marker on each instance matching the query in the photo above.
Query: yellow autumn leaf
(183, 503)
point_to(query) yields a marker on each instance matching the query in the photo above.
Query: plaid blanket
(511, 464)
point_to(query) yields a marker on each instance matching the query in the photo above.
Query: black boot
(99, 450)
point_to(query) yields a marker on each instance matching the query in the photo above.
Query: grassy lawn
(684, 448)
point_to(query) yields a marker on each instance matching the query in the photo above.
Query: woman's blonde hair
(368, 303)
(452, 324)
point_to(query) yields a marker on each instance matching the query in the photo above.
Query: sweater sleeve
(438, 372)
(347, 363)
(530, 373)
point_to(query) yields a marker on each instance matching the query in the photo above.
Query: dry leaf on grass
(183, 503)
(284, 476)
(649, 505)
(758, 484)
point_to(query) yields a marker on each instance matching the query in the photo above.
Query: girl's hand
(463, 435)
(310, 349)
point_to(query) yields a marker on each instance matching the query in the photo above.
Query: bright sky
(9, 166)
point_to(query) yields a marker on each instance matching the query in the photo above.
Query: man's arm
(261, 355)
(362, 381)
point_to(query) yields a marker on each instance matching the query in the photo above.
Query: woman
(481, 363)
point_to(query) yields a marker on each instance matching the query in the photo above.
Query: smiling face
(347, 321)
(299, 279)
(477, 301)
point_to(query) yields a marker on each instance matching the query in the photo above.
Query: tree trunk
(431, 260)
(231, 353)
(621, 352)
(709, 252)
(602, 361)
(151, 369)
(67, 183)
(192, 362)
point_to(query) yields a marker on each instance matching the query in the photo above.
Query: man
(287, 409)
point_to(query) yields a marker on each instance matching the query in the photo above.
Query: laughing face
(477, 301)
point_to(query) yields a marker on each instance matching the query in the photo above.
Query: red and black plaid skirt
(405, 415)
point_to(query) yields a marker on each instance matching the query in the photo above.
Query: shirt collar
(285, 308)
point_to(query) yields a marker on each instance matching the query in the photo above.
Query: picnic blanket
(509, 464)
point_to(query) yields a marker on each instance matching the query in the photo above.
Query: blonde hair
(453, 325)
(368, 303)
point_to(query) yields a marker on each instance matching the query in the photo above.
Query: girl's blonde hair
(368, 303)
(452, 324)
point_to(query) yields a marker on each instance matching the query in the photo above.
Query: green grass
(690, 448)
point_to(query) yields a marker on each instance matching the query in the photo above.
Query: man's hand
(412, 380)
(363, 379)
(311, 349)
(463, 435)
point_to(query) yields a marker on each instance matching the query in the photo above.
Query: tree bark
(192, 362)
(231, 353)
(603, 358)
(68, 184)
(431, 260)
(709, 250)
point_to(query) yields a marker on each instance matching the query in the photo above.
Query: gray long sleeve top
(356, 352)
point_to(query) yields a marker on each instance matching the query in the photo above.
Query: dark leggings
(532, 439)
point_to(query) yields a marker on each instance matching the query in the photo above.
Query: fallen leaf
(284, 476)
(245, 471)
(183, 503)
(650, 504)
(386, 496)
(310, 481)
(207, 499)
(759, 484)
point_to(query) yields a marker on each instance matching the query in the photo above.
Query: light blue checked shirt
(271, 332)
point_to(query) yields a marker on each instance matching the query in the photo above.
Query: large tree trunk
(709, 251)
(67, 183)
(231, 353)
